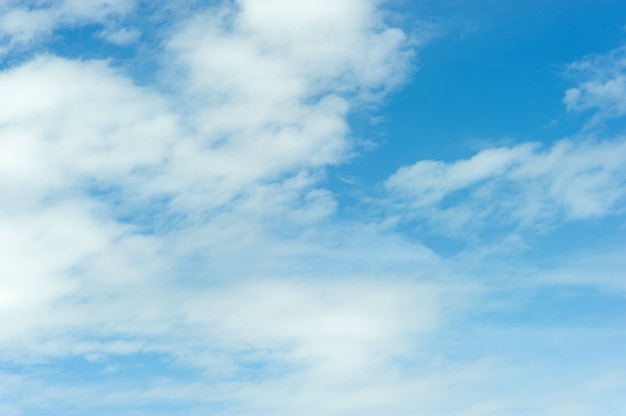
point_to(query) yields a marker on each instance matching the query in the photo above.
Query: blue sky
(312, 207)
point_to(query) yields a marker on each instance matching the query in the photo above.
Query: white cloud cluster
(602, 84)
(26, 23)
(186, 221)
(67, 124)
(520, 185)
(287, 53)
(134, 220)
(69, 129)
(271, 84)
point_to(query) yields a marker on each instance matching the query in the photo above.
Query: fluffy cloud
(139, 221)
(270, 94)
(183, 225)
(74, 124)
(521, 185)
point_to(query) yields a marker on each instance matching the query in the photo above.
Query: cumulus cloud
(184, 223)
(521, 185)
(181, 223)
(270, 94)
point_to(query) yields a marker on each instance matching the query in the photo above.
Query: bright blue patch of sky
(493, 75)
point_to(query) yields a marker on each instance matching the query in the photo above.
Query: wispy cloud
(27, 23)
(120, 36)
(602, 85)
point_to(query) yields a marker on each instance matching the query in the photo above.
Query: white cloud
(271, 95)
(525, 185)
(111, 192)
(521, 185)
(69, 130)
(68, 122)
(190, 224)
(602, 85)
(299, 51)
(25, 23)
(431, 180)
(120, 36)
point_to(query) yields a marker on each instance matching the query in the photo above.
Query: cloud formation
(27, 23)
(602, 84)
(522, 185)
(171, 245)
(112, 190)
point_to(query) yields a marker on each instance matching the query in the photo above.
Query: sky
(312, 207)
